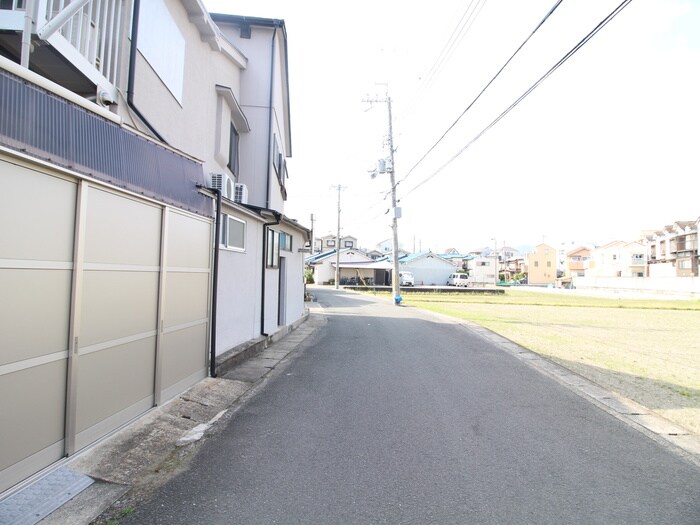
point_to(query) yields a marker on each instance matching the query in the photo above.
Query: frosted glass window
(161, 43)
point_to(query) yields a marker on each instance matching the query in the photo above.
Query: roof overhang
(239, 118)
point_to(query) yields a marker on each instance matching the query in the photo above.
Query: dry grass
(646, 350)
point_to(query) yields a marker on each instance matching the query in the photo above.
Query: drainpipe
(278, 218)
(214, 280)
(269, 119)
(132, 70)
(29, 12)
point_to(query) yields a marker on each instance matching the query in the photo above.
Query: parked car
(458, 279)
(405, 279)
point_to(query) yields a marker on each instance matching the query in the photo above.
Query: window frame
(225, 237)
(284, 245)
(234, 142)
(272, 250)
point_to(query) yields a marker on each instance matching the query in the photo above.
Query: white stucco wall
(429, 270)
(239, 288)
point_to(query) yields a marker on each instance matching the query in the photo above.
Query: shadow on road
(652, 393)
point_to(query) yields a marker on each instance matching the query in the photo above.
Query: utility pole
(313, 242)
(337, 243)
(396, 212)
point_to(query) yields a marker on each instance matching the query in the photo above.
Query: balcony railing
(86, 32)
(93, 30)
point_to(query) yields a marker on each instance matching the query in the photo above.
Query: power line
(541, 23)
(556, 66)
(458, 34)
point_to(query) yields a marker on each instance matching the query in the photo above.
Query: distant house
(618, 259)
(328, 242)
(542, 265)
(386, 247)
(578, 261)
(324, 264)
(428, 268)
(511, 267)
(459, 260)
(482, 270)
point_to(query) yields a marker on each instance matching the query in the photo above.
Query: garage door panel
(184, 355)
(118, 305)
(189, 241)
(39, 212)
(114, 379)
(32, 404)
(122, 231)
(32, 298)
(186, 298)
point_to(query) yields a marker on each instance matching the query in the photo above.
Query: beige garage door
(105, 312)
(37, 215)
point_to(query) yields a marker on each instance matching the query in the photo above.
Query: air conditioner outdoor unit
(240, 193)
(222, 182)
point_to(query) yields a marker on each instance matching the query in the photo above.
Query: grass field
(646, 350)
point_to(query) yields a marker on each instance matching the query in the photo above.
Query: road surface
(390, 415)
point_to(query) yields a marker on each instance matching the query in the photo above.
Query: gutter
(214, 281)
(269, 119)
(132, 70)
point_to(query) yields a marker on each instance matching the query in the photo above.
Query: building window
(285, 241)
(233, 151)
(348, 244)
(537, 264)
(549, 264)
(233, 233)
(330, 242)
(272, 249)
(276, 158)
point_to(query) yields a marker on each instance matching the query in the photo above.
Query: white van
(458, 279)
(405, 279)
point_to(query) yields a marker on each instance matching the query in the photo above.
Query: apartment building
(673, 250)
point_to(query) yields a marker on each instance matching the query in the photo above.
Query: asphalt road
(389, 415)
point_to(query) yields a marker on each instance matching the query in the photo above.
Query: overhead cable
(458, 34)
(556, 66)
(540, 24)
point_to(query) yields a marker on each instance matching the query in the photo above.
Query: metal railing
(92, 27)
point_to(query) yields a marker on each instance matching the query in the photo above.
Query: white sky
(606, 147)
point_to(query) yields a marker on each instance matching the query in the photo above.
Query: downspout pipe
(132, 70)
(214, 280)
(269, 118)
(215, 285)
(278, 218)
(29, 13)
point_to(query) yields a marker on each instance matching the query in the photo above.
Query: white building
(428, 268)
(107, 160)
